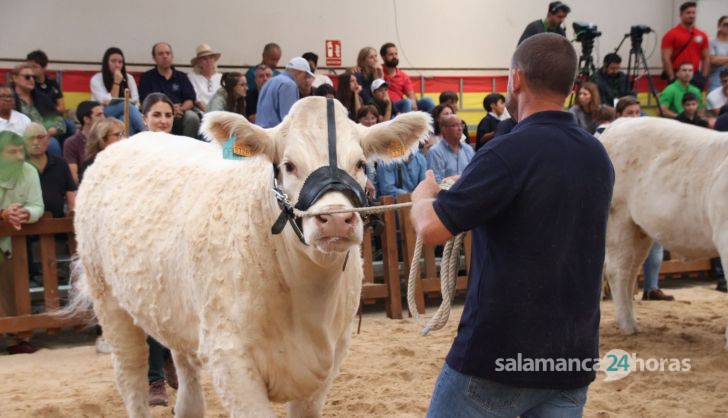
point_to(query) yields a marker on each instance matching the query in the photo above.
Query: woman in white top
(205, 78)
(107, 88)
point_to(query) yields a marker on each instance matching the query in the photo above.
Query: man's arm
(705, 65)
(424, 218)
(665, 100)
(667, 112)
(74, 171)
(666, 63)
(71, 201)
(34, 203)
(287, 96)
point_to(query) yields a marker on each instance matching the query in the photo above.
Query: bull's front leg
(313, 407)
(235, 377)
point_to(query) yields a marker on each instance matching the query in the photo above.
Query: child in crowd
(690, 111)
(495, 105)
(605, 116)
(381, 100)
(368, 115)
(449, 98)
(325, 90)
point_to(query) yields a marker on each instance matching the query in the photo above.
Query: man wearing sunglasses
(11, 119)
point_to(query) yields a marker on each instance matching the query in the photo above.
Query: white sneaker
(102, 347)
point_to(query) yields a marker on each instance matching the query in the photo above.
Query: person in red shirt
(684, 43)
(401, 92)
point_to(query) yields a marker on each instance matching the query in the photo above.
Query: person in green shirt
(21, 201)
(671, 97)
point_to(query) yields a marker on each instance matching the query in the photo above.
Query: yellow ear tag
(396, 149)
(242, 149)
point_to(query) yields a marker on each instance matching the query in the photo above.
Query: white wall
(429, 33)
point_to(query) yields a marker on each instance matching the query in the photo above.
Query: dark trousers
(158, 354)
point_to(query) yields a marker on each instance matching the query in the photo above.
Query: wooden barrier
(15, 291)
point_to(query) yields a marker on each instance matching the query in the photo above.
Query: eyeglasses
(38, 137)
(115, 134)
(27, 76)
(6, 96)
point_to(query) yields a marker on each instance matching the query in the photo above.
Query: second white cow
(176, 242)
(671, 186)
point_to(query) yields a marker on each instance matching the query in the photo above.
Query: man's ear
(397, 138)
(250, 139)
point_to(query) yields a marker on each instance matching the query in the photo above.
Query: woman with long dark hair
(231, 95)
(348, 93)
(586, 107)
(107, 88)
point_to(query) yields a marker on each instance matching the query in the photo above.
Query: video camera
(586, 31)
(636, 33)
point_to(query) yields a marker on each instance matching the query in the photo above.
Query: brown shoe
(656, 294)
(157, 393)
(170, 373)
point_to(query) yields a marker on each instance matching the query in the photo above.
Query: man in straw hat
(204, 77)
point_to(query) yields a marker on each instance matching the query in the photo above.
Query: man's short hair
(269, 47)
(385, 47)
(39, 57)
(261, 67)
(324, 90)
(492, 99)
(625, 102)
(85, 109)
(687, 5)
(154, 47)
(685, 63)
(310, 56)
(612, 58)
(723, 73)
(548, 63)
(557, 6)
(722, 18)
(689, 97)
(447, 96)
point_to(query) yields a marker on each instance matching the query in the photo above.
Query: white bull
(176, 242)
(671, 186)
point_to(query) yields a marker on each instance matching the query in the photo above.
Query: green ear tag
(229, 148)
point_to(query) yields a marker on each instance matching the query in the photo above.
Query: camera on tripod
(636, 33)
(586, 31)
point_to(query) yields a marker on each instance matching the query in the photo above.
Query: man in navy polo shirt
(537, 201)
(164, 78)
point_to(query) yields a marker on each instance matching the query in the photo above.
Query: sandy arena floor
(390, 369)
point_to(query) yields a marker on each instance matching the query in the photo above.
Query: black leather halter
(324, 179)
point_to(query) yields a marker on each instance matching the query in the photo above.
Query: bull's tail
(80, 303)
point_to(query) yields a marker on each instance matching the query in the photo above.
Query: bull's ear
(396, 138)
(251, 139)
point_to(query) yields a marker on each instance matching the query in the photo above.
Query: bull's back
(667, 174)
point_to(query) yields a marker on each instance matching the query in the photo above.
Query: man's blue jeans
(461, 396)
(405, 105)
(652, 267)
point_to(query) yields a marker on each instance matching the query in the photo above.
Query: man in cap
(204, 77)
(279, 93)
(555, 16)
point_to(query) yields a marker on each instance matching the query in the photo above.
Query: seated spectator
(718, 97)
(158, 113)
(348, 93)
(367, 70)
(586, 107)
(495, 105)
(270, 57)
(325, 90)
(628, 107)
(605, 116)
(450, 156)
(400, 177)
(205, 78)
(48, 86)
(671, 96)
(450, 98)
(611, 81)
(280, 93)
(380, 99)
(439, 113)
(690, 111)
(37, 106)
(231, 96)
(87, 113)
(164, 78)
(56, 182)
(11, 119)
(108, 86)
(368, 115)
(319, 79)
(400, 86)
(262, 73)
(103, 133)
(21, 202)
(718, 54)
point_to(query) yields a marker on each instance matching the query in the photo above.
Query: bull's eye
(290, 167)
(361, 164)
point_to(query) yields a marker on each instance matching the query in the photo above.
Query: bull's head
(299, 147)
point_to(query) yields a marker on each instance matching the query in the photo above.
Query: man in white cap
(279, 93)
(204, 77)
